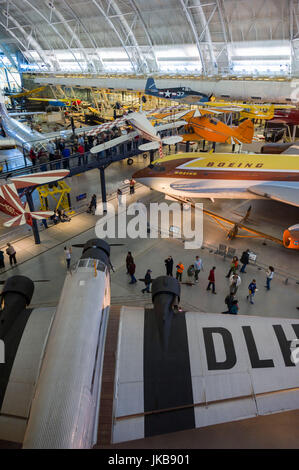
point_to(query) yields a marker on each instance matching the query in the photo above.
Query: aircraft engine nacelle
(291, 237)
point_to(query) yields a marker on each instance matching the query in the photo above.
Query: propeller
(38, 280)
(82, 245)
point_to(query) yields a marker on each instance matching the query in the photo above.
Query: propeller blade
(38, 280)
(82, 245)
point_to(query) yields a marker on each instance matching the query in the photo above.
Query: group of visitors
(235, 281)
(59, 216)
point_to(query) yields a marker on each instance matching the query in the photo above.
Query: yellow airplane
(258, 112)
(246, 110)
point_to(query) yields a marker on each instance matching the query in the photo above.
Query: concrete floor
(46, 261)
(88, 182)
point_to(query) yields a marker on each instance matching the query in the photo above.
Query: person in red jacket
(211, 280)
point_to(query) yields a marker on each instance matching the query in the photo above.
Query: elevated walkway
(76, 163)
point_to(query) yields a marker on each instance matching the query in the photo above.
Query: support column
(34, 222)
(103, 189)
(152, 152)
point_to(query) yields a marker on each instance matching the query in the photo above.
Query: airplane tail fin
(245, 132)
(150, 86)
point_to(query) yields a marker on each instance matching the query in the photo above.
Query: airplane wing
(113, 142)
(278, 191)
(165, 110)
(27, 92)
(202, 372)
(25, 345)
(25, 113)
(292, 150)
(37, 179)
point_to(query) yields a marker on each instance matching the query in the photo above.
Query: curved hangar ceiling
(220, 36)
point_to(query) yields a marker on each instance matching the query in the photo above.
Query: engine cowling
(291, 237)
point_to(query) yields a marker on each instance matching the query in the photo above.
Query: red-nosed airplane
(10, 201)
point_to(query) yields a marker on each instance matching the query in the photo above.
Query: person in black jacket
(169, 266)
(229, 302)
(245, 260)
(147, 281)
(129, 260)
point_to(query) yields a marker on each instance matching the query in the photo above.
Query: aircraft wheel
(145, 155)
(130, 161)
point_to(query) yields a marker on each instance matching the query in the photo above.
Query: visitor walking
(234, 282)
(132, 268)
(198, 265)
(129, 260)
(190, 273)
(179, 271)
(147, 281)
(270, 274)
(92, 205)
(11, 252)
(233, 266)
(119, 196)
(211, 280)
(252, 290)
(169, 266)
(244, 260)
(67, 254)
(132, 186)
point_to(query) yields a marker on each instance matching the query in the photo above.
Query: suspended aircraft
(181, 94)
(201, 126)
(25, 93)
(26, 137)
(60, 391)
(10, 200)
(60, 103)
(224, 175)
(257, 112)
(213, 130)
(289, 116)
(140, 122)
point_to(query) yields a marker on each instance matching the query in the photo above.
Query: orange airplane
(207, 128)
(202, 126)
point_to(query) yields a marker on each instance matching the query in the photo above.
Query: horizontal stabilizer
(171, 125)
(37, 179)
(26, 217)
(174, 139)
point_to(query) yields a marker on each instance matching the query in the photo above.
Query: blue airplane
(182, 94)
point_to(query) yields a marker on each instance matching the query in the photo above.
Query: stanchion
(34, 222)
